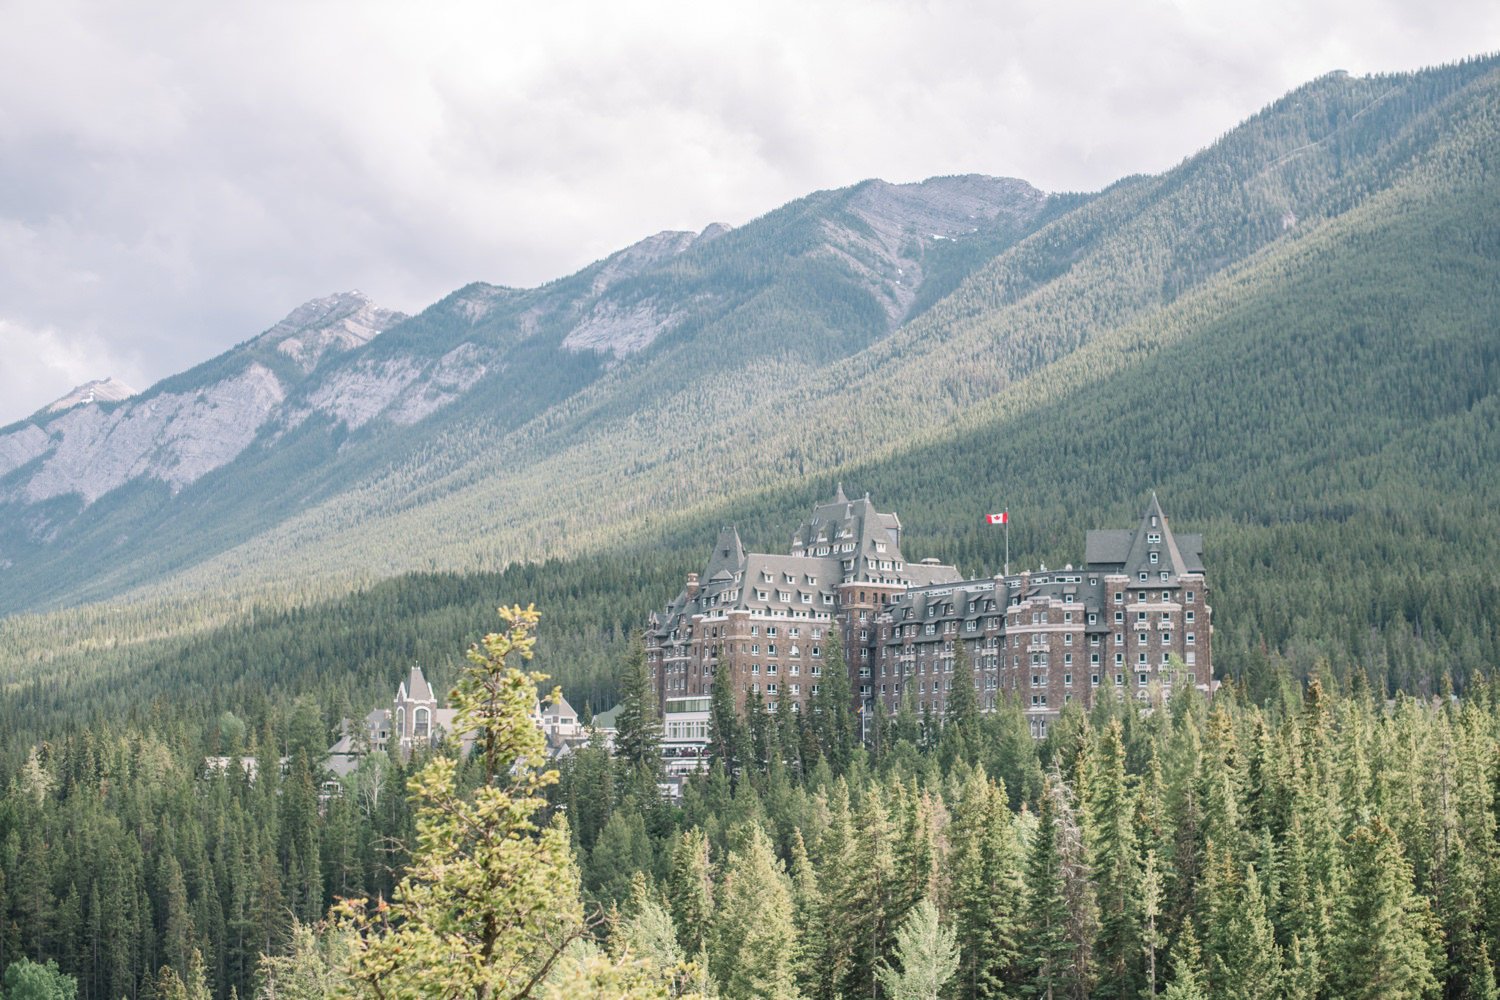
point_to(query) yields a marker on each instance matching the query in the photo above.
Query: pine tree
(1047, 948)
(490, 898)
(1110, 813)
(833, 706)
(754, 942)
(691, 889)
(638, 724)
(926, 956)
(1383, 935)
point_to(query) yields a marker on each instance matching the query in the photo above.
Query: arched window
(400, 723)
(420, 724)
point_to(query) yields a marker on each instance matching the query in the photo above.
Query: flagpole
(1007, 542)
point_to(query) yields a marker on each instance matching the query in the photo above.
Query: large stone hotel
(1132, 621)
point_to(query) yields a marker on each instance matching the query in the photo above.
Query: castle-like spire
(838, 494)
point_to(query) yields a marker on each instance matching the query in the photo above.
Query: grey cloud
(179, 176)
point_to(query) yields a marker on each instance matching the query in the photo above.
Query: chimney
(692, 585)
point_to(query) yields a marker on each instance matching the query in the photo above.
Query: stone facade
(1133, 622)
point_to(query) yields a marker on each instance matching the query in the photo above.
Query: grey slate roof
(416, 687)
(1125, 550)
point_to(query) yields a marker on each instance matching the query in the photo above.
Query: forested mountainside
(1290, 337)
(343, 398)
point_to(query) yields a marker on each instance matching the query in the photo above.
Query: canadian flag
(1002, 518)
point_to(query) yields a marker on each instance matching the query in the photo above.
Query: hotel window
(1094, 680)
(1119, 597)
(1119, 680)
(1190, 639)
(1189, 597)
(1143, 679)
(1153, 558)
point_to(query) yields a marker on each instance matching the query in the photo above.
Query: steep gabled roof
(1153, 535)
(728, 556)
(415, 687)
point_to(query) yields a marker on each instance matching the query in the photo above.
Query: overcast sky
(176, 176)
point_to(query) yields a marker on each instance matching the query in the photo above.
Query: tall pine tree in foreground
(491, 896)
(754, 941)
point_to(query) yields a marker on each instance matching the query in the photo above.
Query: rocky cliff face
(177, 436)
(99, 390)
(337, 323)
(318, 403)
(887, 229)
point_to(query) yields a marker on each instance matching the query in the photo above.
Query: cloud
(178, 176)
(42, 365)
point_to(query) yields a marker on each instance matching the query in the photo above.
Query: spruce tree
(638, 724)
(754, 940)
(1047, 947)
(984, 887)
(960, 738)
(1383, 933)
(926, 957)
(834, 705)
(1187, 968)
(691, 889)
(1110, 815)
(490, 897)
(724, 724)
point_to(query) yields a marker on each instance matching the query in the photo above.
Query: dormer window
(1154, 557)
(1154, 538)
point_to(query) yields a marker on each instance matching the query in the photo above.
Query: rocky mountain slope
(100, 390)
(333, 394)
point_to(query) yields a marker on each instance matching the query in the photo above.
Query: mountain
(343, 395)
(1289, 335)
(99, 390)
